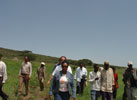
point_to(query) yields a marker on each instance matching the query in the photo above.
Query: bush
(1, 55)
(85, 62)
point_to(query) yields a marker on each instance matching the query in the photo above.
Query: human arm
(53, 82)
(51, 77)
(91, 77)
(4, 73)
(73, 88)
(30, 70)
(44, 73)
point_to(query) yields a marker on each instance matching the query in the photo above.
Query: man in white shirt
(80, 75)
(58, 68)
(95, 80)
(25, 74)
(3, 78)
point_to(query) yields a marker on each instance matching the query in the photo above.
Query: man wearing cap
(107, 82)
(130, 80)
(25, 74)
(41, 75)
(3, 78)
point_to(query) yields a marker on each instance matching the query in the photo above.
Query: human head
(130, 64)
(26, 59)
(62, 58)
(65, 65)
(95, 67)
(42, 64)
(106, 65)
(81, 65)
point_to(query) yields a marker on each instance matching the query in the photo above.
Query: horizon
(62, 55)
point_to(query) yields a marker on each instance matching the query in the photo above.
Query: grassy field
(11, 85)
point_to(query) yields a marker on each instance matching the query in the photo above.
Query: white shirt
(79, 73)
(26, 68)
(59, 68)
(3, 72)
(95, 84)
(63, 83)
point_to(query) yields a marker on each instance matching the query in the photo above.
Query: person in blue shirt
(62, 84)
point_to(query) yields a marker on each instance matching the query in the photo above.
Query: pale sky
(98, 30)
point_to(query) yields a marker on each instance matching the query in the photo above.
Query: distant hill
(19, 55)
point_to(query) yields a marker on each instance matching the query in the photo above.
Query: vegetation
(13, 60)
(11, 84)
(19, 55)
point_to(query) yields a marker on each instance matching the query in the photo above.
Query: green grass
(11, 85)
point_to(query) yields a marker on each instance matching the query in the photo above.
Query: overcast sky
(98, 30)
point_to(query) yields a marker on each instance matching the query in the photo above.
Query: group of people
(103, 80)
(24, 76)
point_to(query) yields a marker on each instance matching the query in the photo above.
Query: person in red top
(116, 83)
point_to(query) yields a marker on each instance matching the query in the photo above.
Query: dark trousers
(41, 85)
(80, 87)
(124, 94)
(95, 95)
(2, 94)
(62, 96)
(107, 96)
(115, 93)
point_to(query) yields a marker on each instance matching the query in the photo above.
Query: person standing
(62, 84)
(41, 75)
(3, 78)
(95, 80)
(116, 83)
(25, 74)
(80, 75)
(107, 82)
(58, 68)
(130, 79)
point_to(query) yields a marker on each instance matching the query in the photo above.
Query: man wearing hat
(130, 80)
(41, 75)
(107, 82)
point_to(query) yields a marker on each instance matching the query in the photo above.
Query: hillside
(19, 55)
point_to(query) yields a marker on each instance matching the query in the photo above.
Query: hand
(113, 87)
(50, 97)
(19, 76)
(28, 77)
(96, 78)
(74, 98)
(48, 82)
